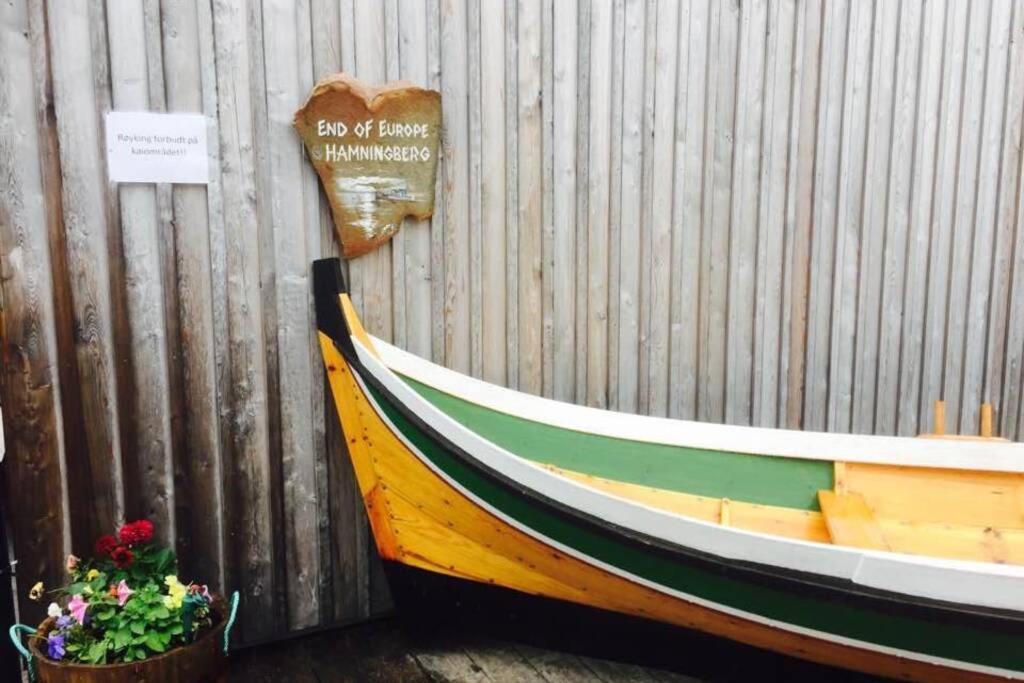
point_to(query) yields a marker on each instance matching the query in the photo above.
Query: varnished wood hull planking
(424, 516)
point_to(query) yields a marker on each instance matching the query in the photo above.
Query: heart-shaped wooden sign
(375, 150)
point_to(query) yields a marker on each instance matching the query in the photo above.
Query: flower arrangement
(125, 604)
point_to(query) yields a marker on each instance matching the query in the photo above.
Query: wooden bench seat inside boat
(920, 511)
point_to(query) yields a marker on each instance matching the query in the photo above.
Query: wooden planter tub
(204, 661)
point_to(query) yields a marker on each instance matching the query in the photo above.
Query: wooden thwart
(850, 521)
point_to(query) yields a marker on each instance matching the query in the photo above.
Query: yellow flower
(175, 592)
(36, 593)
(92, 574)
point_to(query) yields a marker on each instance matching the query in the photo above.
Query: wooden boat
(894, 556)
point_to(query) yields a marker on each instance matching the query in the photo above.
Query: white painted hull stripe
(888, 450)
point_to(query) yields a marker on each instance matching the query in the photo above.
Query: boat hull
(434, 509)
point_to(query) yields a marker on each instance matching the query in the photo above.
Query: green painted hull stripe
(786, 482)
(951, 641)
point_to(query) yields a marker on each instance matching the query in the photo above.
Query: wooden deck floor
(384, 651)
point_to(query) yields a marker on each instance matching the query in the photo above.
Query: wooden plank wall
(803, 214)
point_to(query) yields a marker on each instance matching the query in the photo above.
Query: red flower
(105, 545)
(122, 557)
(134, 533)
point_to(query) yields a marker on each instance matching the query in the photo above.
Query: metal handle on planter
(231, 621)
(15, 634)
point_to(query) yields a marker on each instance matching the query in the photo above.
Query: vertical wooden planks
(926, 151)
(661, 183)
(599, 171)
(885, 401)
(723, 28)
(413, 61)
(964, 227)
(1006, 344)
(986, 192)
(30, 386)
(247, 467)
(772, 221)
(564, 218)
(743, 212)
(877, 199)
(801, 212)
(200, 464)
(626, 282)
(100, 505)
(454, 192)
(687, 230)
(582, 196)
(836, 16)
(530, 145)
(293, 250)
(493, 179)
(850, 215)
(154, 475)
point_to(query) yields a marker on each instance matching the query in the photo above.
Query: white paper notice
(143, 147)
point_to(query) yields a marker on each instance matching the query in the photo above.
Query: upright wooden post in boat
(986, 420)
(939, 428)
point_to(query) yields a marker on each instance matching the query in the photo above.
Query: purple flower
(63, 621)
(55, 646)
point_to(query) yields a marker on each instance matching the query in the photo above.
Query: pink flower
(77, 607)
(123, 593)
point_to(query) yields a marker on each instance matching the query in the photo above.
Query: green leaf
(177, 629)
(97, 652)
(138, 627)
(154, 643)
(122, 637)
(159, 612)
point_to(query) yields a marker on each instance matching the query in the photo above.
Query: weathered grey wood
(248, 538)
(1005, 366)
(919, 240)
(454, 192)
(598, 190)
(942, 218)
(30, 383)
(88, 232)
(530, 188)
(694, 24)
(615, 199)
(886, 401)
(154, 485)
(661, 185)
(493, 179)
(772, 259)
(743, 221)
(199, 466)
(625, 285)
(293, 251)
(986, 190)
(835, 17)
(877, 198)
(717, 204)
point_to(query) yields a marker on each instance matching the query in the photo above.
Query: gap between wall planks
(804, 214)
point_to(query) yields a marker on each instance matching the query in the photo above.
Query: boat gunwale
(901, 451)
